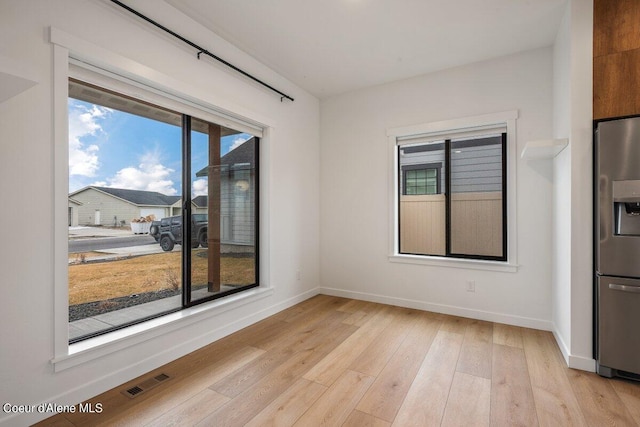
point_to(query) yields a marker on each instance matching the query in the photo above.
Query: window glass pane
(223, 165)
(124, 176)
(476, 197)
(421, 205)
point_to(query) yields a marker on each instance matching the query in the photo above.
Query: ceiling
(330, 47)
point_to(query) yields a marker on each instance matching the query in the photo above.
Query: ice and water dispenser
(626, 206)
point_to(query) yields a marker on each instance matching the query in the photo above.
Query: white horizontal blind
(161, 97)
(453, 134)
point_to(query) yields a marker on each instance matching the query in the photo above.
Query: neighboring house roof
(74, 201)
(200, 201)
(242, 157)
(136, 197)
(244, 154)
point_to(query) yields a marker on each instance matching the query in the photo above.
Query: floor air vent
(146, 385)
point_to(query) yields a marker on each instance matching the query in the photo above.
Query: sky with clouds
(111, 148)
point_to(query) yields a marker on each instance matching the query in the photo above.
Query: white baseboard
(562, 345)
(576, 362)
(140, 367)
(507, 319)
(572, 361)
(582, 363)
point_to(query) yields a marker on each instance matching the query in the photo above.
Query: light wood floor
(340, 362)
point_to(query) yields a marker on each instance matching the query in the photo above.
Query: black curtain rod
(201, 51)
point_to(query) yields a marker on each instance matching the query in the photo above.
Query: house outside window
(452, 192)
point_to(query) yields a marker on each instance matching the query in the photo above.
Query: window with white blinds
(452, 190)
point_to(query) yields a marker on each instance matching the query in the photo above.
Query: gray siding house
(237, 194)
(476, 165)
(475, 197)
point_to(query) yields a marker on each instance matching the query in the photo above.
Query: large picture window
(162, 210)
(452, 194)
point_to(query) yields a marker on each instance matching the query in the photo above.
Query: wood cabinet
(616, 58)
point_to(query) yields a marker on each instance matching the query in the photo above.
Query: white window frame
(437, 130)
(165, 91)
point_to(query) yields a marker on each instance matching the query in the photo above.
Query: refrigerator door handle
(625, 288)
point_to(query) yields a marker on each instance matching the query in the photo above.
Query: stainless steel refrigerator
(617, 247)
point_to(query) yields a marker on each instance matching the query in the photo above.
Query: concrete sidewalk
(81, 232)
(120, 253)
(85, 232)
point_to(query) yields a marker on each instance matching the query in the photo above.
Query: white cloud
(200, 187)
(83, 121)
(237, 142)
(149, 175)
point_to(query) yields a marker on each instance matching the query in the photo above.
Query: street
(98, 243)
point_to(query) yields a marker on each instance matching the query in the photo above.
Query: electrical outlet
(471, 286)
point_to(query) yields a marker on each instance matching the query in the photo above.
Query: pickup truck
(168, 231)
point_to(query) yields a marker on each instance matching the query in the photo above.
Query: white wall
(26, 179)
(355, 197)
(581, 182)
(572, 212)
(561, 270)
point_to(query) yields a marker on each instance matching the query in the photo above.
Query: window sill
(95, 348)
(472, 264)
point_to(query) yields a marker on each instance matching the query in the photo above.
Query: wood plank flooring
(339, 362)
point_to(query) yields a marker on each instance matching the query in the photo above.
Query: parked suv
(168, 231)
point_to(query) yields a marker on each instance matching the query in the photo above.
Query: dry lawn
(101, 281)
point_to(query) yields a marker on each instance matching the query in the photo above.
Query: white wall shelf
(544, 148)
(15, 78)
